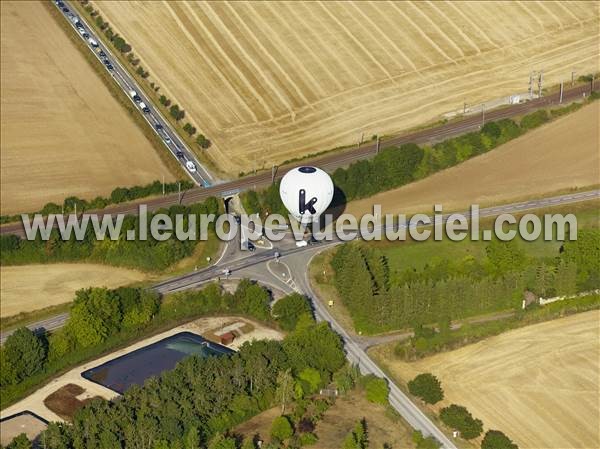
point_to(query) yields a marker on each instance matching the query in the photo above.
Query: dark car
(250, 246)
(179, 154)
(65, 9)
(137, 98)
(102, 54)
(109, 66)
(85, 35)
(158, 127)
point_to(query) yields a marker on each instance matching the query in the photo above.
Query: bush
(377, 389)
(281, 429)
(427, 387)
(534, 119)
(202, 141)
(494, 439)
(458, 417)
(288, 310)
(424, 443)
(23, 355)
(20, 442)
(308, 439)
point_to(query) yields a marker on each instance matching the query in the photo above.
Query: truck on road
(134, 95)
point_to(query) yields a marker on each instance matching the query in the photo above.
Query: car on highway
(102, 54)
(65, 9)
(85, 35)
(93, 42)
(301, 243)
(190, 166)
(145, 109)
(168, 140)
(158, 127)
(179, 153)
(134, 95)
(81, 30)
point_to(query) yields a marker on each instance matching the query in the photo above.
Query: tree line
(118, 195)
(147, 255)
(120, 44)
(102, 318)
(428, 388)
(453, 289)
(394, 166)
(202, 397)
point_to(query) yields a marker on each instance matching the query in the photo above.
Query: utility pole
(531, 74)
(561, 92)
(482, 115)
(464, 107)
(179, 192)
(540, 81)
(592, 84)
(163, 185)
(273, 171)
(572, 77)
(377, 147)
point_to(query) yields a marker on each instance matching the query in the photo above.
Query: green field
(412, 254)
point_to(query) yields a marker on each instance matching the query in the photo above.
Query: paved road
(126, 82)
(296, 259)
(334, 160)
(234, 260)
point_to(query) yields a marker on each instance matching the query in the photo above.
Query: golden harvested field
(560, 155)
(270, 81)
(31, 287)
(62, 133)
(539, 384)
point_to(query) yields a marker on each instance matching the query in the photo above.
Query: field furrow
(289, 78)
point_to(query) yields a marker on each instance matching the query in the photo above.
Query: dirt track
(539, 384)
(560, 155)
(62, 133)
(271, 81)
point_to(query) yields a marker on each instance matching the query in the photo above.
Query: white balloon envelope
(306, 192)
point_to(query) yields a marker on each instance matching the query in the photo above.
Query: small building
(227, 338)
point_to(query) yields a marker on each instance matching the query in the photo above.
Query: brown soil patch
(64, 401)
(340, 419)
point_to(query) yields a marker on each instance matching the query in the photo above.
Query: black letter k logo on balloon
(304, 206)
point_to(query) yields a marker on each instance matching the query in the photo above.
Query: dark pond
(137, 366)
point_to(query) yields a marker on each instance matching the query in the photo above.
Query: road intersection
(283, 266)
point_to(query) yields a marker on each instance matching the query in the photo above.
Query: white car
(191, 166)
(301, 243)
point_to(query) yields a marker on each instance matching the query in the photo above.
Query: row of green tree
(449, 289)
(100, 316)
(428, 340)
(397, 166)
(122, 46)
(118, 195)
(428, 387)
(147, 255)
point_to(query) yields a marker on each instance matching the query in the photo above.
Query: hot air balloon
(306, 192)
